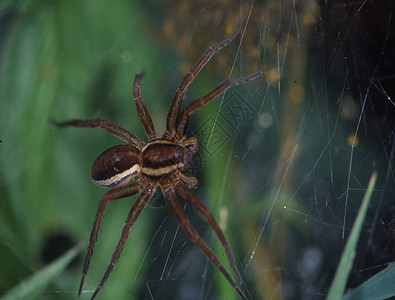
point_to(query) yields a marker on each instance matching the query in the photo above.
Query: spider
(138, 167)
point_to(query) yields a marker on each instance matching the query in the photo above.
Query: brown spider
(139, 167)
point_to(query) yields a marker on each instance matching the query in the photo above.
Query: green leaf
(380, 286)
(338, 285)
(34, 284)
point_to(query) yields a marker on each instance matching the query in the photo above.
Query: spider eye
(116, 166)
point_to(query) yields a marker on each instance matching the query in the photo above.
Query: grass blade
(338, 285)
(34, 284)
(379, 286)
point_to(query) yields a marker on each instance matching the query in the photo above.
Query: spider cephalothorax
(138, 167)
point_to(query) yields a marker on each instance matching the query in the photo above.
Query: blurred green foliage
(62, 60)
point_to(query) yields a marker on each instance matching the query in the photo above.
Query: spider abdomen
(162, 157)
(116, 166)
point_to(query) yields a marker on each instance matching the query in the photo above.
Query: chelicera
(139, 167)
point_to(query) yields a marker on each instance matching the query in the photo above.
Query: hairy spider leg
(192, 234)
(111, 128)
(134, 213)
(118, 193)
(192, 181)
(192, 143)
(142, 110)
(189, 197)
(187, 79)
(184, 116)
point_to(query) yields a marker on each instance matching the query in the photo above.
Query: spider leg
(191, 143)
(190, 197)
(193, 235)
(192, 181)
(107, 126)
(134, 213)
(184, 116)
(142, 110)
(118, 193)
(188, 78)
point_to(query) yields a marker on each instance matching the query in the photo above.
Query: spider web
(300, 147)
